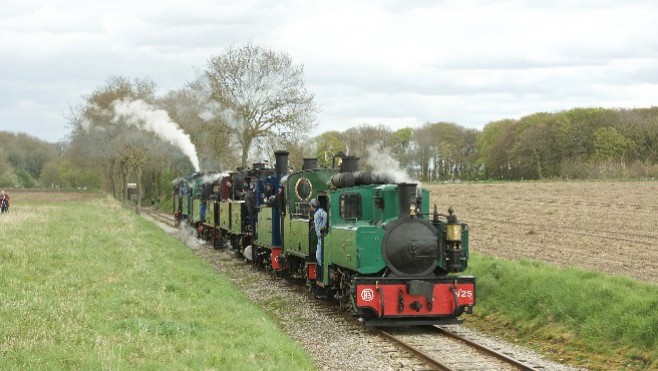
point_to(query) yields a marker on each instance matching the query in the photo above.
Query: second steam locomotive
(386, 256)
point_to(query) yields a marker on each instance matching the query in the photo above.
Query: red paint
(276, 260)
(369, 296)
(311, 271)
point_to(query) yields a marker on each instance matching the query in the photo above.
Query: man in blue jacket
(320, 221)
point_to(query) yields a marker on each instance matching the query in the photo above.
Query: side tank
(300, 188)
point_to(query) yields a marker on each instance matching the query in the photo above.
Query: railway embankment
(87, 284)
(584, 318)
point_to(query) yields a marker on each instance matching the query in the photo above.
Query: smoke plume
(383, 162)
(146, 117)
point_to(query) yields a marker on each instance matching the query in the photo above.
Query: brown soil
(611, 227)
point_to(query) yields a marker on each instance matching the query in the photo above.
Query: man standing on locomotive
(320, 221)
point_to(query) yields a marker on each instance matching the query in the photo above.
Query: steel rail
(436, 364)
(162, 217)
(486, 350)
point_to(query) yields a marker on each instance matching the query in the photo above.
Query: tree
(447, 157)
(640, 126)
(4, 165)
(609, 144)
(469, 155)
(445, 150)
(361, 140)
(191, 108)
(400, 144)
(423, 151)
(494, 144)
(327, 145)
(528, 153)
(22, 158)
(114, 133)
(261, 93)
(540, 145)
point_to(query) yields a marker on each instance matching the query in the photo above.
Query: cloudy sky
(398, 63)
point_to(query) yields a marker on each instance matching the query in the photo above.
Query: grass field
(89, 285)
(581, 317)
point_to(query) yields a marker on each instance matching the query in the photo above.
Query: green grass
(587, 318)
(90, 285)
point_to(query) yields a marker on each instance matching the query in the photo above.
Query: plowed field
(611, 227)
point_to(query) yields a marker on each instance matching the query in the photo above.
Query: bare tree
(261, 93)
(101, 138)
(191, 109)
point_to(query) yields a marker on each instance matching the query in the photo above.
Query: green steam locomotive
(386, 257)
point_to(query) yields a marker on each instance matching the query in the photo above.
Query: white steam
(383, 162)
(211, 178)
(206, 179)
(146, 117)
(188, 234)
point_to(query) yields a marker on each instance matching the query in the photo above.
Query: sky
(396, 63)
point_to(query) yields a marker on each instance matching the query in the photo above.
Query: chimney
(407, 196)
(350, 164)
(281, 166)
(310, 164)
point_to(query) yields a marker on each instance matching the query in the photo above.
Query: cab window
(350, 206)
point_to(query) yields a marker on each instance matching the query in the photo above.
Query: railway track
(159, 216)
(442, 349)
(418, 348)
(415, 348)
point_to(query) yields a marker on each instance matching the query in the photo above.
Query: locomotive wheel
(282, 274)
(234, 242)
(364, 315)
(320, 292)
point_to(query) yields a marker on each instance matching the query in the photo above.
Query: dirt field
(18, 196)
(610, 227)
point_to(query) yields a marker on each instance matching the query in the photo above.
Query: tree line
(581, 143)
(252, 100)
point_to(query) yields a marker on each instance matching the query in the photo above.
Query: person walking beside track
(4, 202)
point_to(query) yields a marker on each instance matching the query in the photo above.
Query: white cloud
(390, 62)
